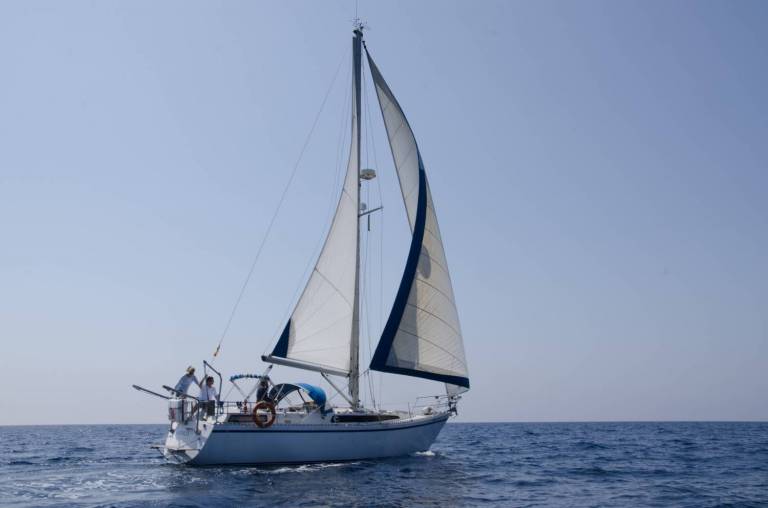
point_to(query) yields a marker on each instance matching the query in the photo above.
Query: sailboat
(294, 422)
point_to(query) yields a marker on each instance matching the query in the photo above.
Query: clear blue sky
(599, 170)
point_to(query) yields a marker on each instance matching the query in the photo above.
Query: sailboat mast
(354, 359)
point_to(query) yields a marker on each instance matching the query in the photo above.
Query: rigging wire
(277, 210)
(380, 232)
(371, 147)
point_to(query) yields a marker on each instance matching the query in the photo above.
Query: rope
(277, 210)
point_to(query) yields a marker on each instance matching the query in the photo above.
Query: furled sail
(422, 337)
(321, 332)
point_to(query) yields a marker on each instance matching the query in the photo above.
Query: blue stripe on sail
(443, 378)
(379, 360)
(281, 348)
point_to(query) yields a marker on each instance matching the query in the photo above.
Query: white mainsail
(322, 331)
(422, 337)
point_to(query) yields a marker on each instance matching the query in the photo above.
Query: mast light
(367, 174)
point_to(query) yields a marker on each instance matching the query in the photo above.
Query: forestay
(422, 336)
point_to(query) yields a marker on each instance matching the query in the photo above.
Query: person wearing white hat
(186, 380)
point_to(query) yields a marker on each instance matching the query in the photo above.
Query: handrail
(221, 381)
(422, 405)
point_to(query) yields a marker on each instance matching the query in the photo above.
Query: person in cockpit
(209, 396)
(261, 393)
(186, 380)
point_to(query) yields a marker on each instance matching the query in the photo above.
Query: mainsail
(422, 337)
(322, 332)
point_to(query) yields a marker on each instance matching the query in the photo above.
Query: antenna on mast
(359, 25)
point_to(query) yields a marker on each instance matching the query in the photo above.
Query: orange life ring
(264, 404)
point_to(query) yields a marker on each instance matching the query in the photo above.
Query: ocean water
(508, 464)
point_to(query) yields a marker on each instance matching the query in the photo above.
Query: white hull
(220, 443)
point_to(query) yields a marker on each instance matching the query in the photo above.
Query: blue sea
(471, 464)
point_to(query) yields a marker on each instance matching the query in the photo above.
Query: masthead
(359, 25)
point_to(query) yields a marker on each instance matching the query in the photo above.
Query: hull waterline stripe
(265, 431)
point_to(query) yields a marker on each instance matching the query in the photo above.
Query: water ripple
(575, 464)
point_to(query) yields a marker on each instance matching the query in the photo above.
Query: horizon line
(516, 422)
